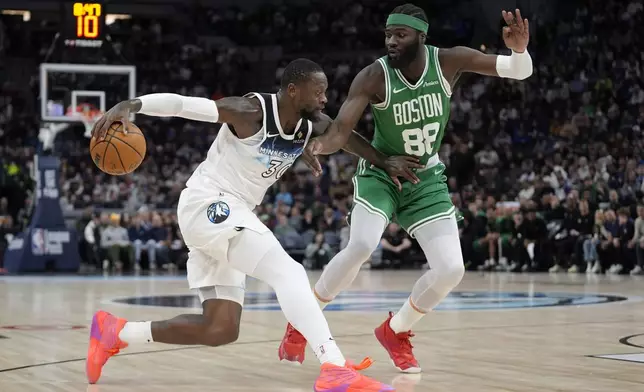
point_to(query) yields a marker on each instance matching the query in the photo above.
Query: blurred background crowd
(548, 172)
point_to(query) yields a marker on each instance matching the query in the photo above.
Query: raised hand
(516, 34)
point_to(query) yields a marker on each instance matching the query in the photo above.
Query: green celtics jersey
(412, 119)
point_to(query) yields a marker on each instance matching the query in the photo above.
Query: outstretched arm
(395, 166)
(516, 66)
(363, 87)
(356, 144)
(230, 110)
(360, 147)
(224, 110)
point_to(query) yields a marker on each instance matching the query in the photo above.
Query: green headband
(408, 20)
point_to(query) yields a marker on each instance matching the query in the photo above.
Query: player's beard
(405, 58)
(311, 115)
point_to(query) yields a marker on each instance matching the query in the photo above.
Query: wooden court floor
(497, 332)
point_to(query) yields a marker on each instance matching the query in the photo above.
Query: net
(64, 85)
(88, 114)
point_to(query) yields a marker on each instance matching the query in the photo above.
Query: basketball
(119, 153)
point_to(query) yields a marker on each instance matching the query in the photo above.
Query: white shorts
(213, 227)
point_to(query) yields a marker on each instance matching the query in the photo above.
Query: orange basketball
(118, 153)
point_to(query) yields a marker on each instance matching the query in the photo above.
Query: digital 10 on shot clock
(86, 24)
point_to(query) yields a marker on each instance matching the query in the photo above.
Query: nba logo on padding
(38, 242)
(218, 212)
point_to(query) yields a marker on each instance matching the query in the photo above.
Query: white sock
(137, 332)
(330, 353)
(406, 317)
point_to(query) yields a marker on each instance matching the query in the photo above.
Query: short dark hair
(299, 70)
(411, 10)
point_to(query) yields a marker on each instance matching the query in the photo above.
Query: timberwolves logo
(218, 212)
(381, 301)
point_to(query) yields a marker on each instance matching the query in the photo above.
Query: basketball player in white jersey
(260, 138)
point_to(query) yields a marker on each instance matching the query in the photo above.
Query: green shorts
(414, 207)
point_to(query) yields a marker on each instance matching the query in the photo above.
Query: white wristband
(517, 66)
(175, 105)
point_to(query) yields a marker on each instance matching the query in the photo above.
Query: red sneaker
(293, 346)
(104, 342)
(335, 378)
(398, 346)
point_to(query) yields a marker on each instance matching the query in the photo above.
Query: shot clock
(84, 24)
(87, 20)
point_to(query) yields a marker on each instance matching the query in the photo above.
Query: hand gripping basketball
(117, 146)
(119, 113)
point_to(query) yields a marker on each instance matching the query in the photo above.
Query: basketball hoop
(87, 114)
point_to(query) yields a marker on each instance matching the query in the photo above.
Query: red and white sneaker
(398, 346)
(293, 346)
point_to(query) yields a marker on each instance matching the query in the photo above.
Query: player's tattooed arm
(516, 34)
(242, 113)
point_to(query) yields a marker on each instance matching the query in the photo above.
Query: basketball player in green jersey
(409, 91)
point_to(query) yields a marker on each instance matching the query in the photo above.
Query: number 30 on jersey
(418, 141)
(276, 167)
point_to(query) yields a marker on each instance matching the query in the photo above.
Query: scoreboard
(83, 24)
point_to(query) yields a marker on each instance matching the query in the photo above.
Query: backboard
(64, 87)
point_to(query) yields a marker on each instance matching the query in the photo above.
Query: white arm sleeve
(175, 105)
(518, 66)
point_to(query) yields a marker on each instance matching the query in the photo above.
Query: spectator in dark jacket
(395, 246)
(608, 250)
(158, 244)
(565, 240)
(141, 236)
(468, 235)
(625, 230)
(531, 245)
(637, 242)
(584, 226)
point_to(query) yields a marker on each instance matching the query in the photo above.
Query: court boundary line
(603, 356)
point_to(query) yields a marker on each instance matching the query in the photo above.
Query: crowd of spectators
(547, 173)
(129, 242)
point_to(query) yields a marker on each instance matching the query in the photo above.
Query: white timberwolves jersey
(247, 167)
